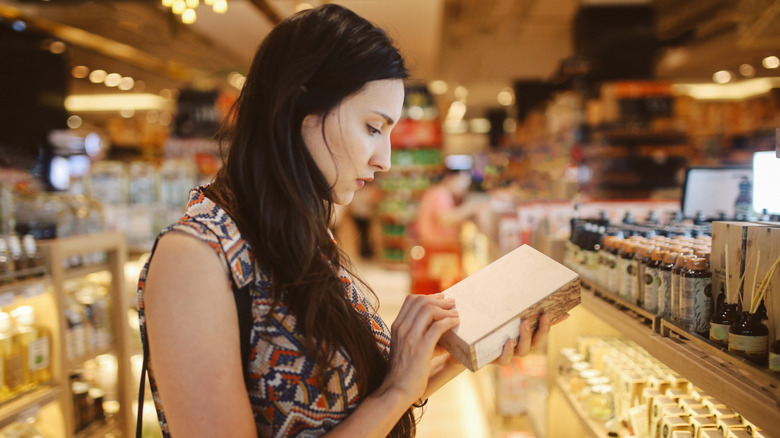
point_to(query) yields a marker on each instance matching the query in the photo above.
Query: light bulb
(192, 4)
(167, 3)
(220, 6)
(188, 16)
(178, 7)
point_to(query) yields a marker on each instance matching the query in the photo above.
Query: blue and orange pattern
(282, 379)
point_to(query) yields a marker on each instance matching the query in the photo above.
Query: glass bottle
(721, 321)
(612, 268)
(652, 281)
(12, 358)
(36, 343)
(627, 267)
(34, 258)
(749, 337)
(20, 261)
(665, 285)
(696, 296)
(75, 332)
(643, 256)
(6, 263)
(774, 356)
(677, 286)
(743, 205)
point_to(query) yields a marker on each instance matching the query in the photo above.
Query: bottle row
(88, 320)
(19, 259)
(618, 383)
(669, 277)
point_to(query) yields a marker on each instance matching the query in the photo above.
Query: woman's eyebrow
(387, 118)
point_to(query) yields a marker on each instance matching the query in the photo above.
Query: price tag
(33, 291)
(6, 299)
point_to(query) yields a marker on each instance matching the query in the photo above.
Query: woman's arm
(192, 330)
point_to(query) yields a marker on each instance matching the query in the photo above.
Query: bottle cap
(696, 263)
(670, 257)
(682, 260)
(23, 316)
(629, 247)
(659, 255)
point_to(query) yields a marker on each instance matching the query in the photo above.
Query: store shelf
(82, 271)
(11, 410)
(23, 288)
(98, 430)
(751, 394)
(591, 426)
(74, 364)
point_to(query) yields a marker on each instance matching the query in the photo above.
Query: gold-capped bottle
(36, 343)
(12, 354)
(696, 296)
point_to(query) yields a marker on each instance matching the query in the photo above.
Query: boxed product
(491, 303)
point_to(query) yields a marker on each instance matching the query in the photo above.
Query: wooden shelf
(98, 430)
(593, 427)
(11, 410)
(755, 396)
(73, 364)
(81, 271)
(23, 288)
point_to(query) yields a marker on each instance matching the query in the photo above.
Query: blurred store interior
(616, 137)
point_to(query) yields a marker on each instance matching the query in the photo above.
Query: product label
(630, 288)
(14, 371)
(702, 305)
(652, 287)
(38, 354)
(774, 361)
(719, 333)
(687, 302)
(748, 345)
(664, 293)
(612, 274)
(675, 297)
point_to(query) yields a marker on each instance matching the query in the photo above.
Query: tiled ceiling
(483, 45)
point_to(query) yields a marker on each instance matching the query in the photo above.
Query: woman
(312, 126)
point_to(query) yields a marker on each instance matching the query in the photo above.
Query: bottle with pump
(36, 343)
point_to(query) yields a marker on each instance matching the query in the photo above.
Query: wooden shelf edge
(18, 287)
(10, 410)
(98, 430)
(73, 364)
(82, 271)
(755, 400)
(594, 427)
(104, 241)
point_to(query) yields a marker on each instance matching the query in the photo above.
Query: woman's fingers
(506, 353)
(541, 331)
(524, 344)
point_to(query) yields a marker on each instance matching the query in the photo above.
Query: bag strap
(243, 298)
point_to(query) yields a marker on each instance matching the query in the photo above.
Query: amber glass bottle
(696, 296)
(627, 269)
(652, 280)
(721, 321)
(665, 286)
(749, 337)
(677, 286)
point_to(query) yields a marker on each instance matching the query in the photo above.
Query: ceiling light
(127, 113)
(461, 93)
(208, 2)
(80, 72)
(113, 79)
(167, 3)
(771, 62)
(97, 76)
(188, 16)
(457, 111)
(747, 70)
(220, 6)
(438, 87)
(74, 122)
(19, 26)
(721, 77)
(506, 97)
(734, 91)
(416, 112)
(76, 103)
(126, 83)
(192, 4)
(152, 116)
(57, 47)
(178, 7)
(479, 126)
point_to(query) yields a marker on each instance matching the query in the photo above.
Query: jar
(748, 338)
(600, 403)
(721, 321)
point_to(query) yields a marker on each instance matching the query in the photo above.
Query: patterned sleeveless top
(281, 378)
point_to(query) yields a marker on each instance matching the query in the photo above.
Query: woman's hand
(527, 339)
(423, 319)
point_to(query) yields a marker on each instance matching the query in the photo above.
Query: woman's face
(358, 137)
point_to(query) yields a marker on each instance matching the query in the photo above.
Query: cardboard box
(766, 240)
(735, 235)
(492, 301)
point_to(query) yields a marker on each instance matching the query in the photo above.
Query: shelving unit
(12, 410)
(115, 249)
(743, 387)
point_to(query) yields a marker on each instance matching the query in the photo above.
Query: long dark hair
(273, 189)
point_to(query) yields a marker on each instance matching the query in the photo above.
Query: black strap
(243, 299)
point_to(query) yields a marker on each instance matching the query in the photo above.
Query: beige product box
(758, 433)
(710, 404)
(738, 433)
(656, 414)
(765, 240)
(700, 412)
(710, 433)
(675, 393)
(724, 412)
(751, 428)
(688, 403)
(681, 434)
(659, 382)
(735, 235)
(699, 394)
(492, 301)
(699, 423)
(630, 395)
(672, 424)
(726, 424)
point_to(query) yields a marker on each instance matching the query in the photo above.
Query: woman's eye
(372, 130)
